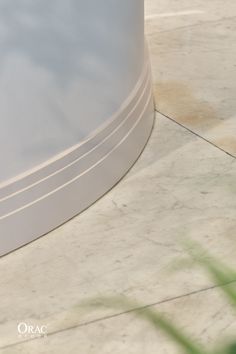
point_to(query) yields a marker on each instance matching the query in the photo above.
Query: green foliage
(223, 277)
(231, 349)
(221, 274)
(153, 317)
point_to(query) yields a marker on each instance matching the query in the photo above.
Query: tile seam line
(122, 313)
(196, 134)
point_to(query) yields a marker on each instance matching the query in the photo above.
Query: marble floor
(193, 55)
(129, 242)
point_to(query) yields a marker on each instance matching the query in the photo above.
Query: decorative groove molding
(41, 199)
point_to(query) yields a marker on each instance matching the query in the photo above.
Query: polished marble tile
(206, 317)
(128, 241)
(166, 15)
(194, 66)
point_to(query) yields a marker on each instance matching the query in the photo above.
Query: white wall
(65, 67)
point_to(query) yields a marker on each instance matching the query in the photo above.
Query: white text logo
(29, 330)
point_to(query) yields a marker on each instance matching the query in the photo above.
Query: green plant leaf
(231, 349)
(221, 274)
(153, 317)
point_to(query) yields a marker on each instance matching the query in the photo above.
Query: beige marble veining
(128, 241)
(211, 323)
(193, 60)
(166, 15)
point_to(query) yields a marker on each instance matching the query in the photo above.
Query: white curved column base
(42, 199)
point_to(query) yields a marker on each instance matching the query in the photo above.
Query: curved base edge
(36, 208)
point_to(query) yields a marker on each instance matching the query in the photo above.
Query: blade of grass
(222, 275)
(153, 317)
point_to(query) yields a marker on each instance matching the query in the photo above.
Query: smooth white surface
(76, 99)
(128, 242)
(41, 201)
(65, 68)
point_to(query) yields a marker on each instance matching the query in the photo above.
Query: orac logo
(28, 330)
